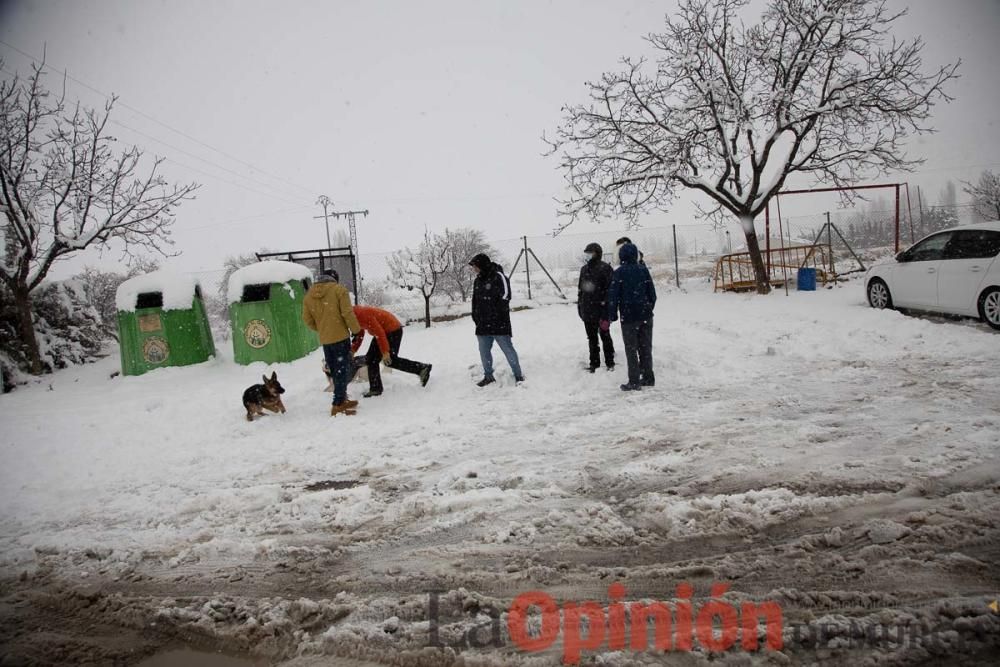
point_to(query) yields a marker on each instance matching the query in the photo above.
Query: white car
(953, 271)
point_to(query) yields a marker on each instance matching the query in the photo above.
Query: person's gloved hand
(605, 325)
(387, 359)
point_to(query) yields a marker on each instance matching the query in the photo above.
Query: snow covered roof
(265, 273)
(177, 289)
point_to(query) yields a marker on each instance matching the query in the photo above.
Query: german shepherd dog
(267, 395)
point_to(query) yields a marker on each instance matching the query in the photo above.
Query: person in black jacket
(592, 305)
(632, 293)
(491, 313)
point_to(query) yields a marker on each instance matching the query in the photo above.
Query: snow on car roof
(989, 224)
(264, 273)
(178, 290)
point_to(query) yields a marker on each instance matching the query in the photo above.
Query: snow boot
(631, 387)
(342, 409)
(371, 394)
(425, 375)
(485, 381)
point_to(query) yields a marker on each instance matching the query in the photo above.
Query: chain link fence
(676, 255)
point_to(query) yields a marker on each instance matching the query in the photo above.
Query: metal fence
(681, 254)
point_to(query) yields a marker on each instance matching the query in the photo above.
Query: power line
(155, 120)
(217, 166)
(233, 221)
(257, 190)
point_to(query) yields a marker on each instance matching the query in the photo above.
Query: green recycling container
(265, 313)
(162, 322)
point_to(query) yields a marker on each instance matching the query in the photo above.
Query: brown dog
(267, 395)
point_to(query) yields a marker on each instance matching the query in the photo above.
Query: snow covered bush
(378, 293)
(101, 286)
(68, 328)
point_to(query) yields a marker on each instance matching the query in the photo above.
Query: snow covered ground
(806, 449)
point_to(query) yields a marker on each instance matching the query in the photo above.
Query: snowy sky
(426, 113)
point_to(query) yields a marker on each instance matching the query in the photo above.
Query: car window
(929, 249)
(973, 244)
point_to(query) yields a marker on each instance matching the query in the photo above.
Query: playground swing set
(734, 271)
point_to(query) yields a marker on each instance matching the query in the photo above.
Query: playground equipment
(734, 272)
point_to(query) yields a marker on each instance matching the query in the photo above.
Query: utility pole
(920, 207)
(353, 228)
(829, 242)
(677, 267)
(325, 201)
(527, 271)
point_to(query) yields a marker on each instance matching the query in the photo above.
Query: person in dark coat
(633, 296)
(491, 313)
(592, 305)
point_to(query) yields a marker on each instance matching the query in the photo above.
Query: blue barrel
(806, 280)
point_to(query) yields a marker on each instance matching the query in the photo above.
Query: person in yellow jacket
(327, 310)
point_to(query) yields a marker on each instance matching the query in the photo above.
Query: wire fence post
(677, 270)
(527, 271)
(829, 241)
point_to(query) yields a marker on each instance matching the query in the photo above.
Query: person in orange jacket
(388, 334)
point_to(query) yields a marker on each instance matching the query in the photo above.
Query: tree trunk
(753, 248)
(26, 330)
(427, 311)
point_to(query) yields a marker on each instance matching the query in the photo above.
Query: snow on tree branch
(64, 187)
(817, 87)
(985, 196)
(425, 269)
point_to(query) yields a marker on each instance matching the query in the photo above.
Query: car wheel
(989, 307)
(878, 294)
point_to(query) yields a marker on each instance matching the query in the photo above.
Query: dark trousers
(338, 360)
(594, 333)
(638, 339)
(374, 357)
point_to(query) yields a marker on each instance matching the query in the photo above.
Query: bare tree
(985, 196)
(231, 265)
(423, 270)
(63, 189)
(463, 245)
(818, 87)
